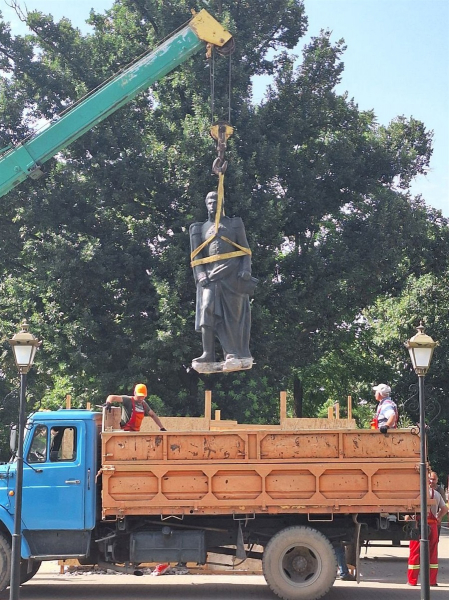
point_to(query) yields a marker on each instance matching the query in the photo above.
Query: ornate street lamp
(24, 346)
(421, 347)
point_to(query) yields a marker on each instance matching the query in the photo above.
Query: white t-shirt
(437, 503)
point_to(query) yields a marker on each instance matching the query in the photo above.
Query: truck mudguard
(8, 521)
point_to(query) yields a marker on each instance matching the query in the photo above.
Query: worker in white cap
(387, 412)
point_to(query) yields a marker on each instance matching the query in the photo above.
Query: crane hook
(220, 131)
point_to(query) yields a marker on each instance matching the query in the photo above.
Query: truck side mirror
(13, 439)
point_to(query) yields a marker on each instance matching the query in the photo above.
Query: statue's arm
(196, 239)
(240, 238)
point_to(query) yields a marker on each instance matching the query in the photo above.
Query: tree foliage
(392, 321)
(96, 253)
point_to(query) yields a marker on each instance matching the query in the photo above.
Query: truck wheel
(24, 574)
(299, 563)
(5, 562)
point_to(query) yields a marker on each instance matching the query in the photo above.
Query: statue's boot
(208, 355)
(234, 363)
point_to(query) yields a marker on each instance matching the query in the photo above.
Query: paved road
(383, 575)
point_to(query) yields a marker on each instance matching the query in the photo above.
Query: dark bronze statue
(221, 262)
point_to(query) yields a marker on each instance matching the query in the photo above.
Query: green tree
(99, 259)
(371, 350)
(392, 321)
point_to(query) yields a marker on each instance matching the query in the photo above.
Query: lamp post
(421, 347)
(24, 346)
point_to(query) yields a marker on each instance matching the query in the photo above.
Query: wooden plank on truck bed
(177, 424)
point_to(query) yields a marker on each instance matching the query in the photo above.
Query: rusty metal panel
(290, 483)
(343, 484)
(130, 486)
(206, 446)
(297, 445)
(261, 488)
(236, 484)
(400, 483)
(269, 472)
(127, 446)
(261, 446)
(397, 444)
(184, 485)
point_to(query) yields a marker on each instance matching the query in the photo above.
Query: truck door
(55, 478)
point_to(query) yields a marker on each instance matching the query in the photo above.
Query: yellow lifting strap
(209, 259)
(219, 202)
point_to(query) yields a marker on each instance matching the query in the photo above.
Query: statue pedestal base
(226, 366)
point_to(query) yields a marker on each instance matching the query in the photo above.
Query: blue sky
(396, 63)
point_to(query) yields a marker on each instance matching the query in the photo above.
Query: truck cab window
(38, 448)
(62, 444)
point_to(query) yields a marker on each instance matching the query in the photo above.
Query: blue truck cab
(59, 492)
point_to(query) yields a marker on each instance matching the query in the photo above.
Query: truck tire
(5, 561)
(24, 574)
(299, 563)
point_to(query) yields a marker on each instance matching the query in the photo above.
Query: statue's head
(211, 203)
(210, 195)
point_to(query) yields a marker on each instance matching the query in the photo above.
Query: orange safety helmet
(140, 390)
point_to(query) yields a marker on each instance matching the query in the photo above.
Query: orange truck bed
(271, 471)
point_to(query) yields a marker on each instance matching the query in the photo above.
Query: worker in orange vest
(134, 409)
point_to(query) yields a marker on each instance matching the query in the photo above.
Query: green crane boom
(24, 160)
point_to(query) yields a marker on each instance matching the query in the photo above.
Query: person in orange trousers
(437, 510)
